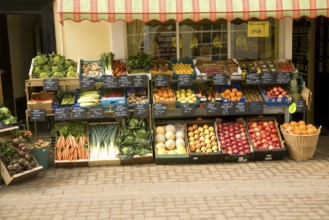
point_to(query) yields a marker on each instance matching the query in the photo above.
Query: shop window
(205, 39)
(249, 46)
(154, 38)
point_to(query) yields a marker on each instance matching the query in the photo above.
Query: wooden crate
(20, 176)
(41, 96)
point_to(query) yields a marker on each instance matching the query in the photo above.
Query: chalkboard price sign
(62, 114)
(220, 79)
(96, 112)
(50, 84)
(124, 81)
(252, 79)
(282, 78)
(38, 115)
(300, 106)
(255, 108)
(184, 80)
(162, 80)
(140, 81)
(268, 78)
(87, 83)
(110, 82)
(160, 110)
(141, 110)
(212, 108)
(121, 111)
(188, 109)
(227, 108)
(79, 113)
(240, 108)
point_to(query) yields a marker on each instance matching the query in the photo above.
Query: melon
(181, 150)
(162, 151)
(180, 142)
(179, 134)
(160, 145)
(170, 144)
(159, 130)
(160, 138)
(170, 135)
(170, 128)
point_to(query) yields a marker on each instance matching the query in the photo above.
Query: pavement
(286, 189)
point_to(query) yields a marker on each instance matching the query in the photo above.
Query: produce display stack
(134, 111)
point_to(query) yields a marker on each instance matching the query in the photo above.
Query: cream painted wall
(21, 44)
(85, 40)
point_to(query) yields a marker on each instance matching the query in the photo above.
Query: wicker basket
(301, 147)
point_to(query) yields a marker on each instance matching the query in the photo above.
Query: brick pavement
(255, 190)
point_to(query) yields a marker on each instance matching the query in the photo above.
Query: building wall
(85, 40)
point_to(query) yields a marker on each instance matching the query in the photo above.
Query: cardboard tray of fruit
(276, 95)
(266, 139)
(91, 68)
(188, 94)
(169, 99)
(203, 143)
(161, 67)
(113, 97)
(136, 96)
(234, 141)
(41, 100)
(252, 94)
(170, 142)
(183, 66)
(230, 93)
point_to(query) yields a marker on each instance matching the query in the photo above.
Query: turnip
(16, 141)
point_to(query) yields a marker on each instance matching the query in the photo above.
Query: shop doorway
(26, 28)
(321, 93)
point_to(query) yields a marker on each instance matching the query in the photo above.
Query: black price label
(184, 80)
(252, 79)
(124, 81)
(255, 108)
(62, 114)
(38, 115)
(140, 81)
(121, 111)
(300, 106)
(3, 125)
(268, 78)
(96, 112)
(110, 82)
(160, 110)
(283, 78)
(188, 109)
(50, 84)
(227, 108)
(79, 113)
(220, 79)
(212, 108)
(87, 83)
(240, 108)
(162, 80)
(141, 110)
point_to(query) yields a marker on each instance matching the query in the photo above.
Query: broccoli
(47, 67)
(36, 72)
(57, 59)
(68, 63)
(72, 74)
(40, 59)
(43, 75)
(58, 75)
(10, 120)
(4, 113)
(71, 68)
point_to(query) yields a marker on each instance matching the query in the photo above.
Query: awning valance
(196, 10)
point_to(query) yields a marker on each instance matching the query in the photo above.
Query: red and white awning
(196, 10)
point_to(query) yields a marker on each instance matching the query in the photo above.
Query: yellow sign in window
(258, 28)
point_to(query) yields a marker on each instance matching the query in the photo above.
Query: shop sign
(220, 79)
(38, 115)
(184, 80)
(212, 108)
(50, 84)
(62, 114)
(258, 28)
(160, 110)
(121, 111)
(96, 112)
(87, 83)
(162, 80)
(141, 110)
(140, 81)
(110, 82)
(79, 113)
(255, 108)
(188, 109)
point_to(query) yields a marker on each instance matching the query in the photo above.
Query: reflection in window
(244, 47)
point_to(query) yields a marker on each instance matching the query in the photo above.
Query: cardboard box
(41, 96)
(172, 158)
(213, 157)
(268, 155)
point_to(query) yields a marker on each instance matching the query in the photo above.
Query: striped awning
(179, 10)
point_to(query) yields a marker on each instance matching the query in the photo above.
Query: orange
(239, 94)
(170, 94)
(227, 91)
(285, 125)
(232, 94)
(309, 126)
(301, 122)
(234, 99)
(302, 127)
(160, 94)
(165, 95)
(222, 94)
(234, 90)
(299, 132)
(293, 123)
(304, 132)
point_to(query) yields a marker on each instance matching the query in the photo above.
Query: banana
(194, 43)
(216, 42)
